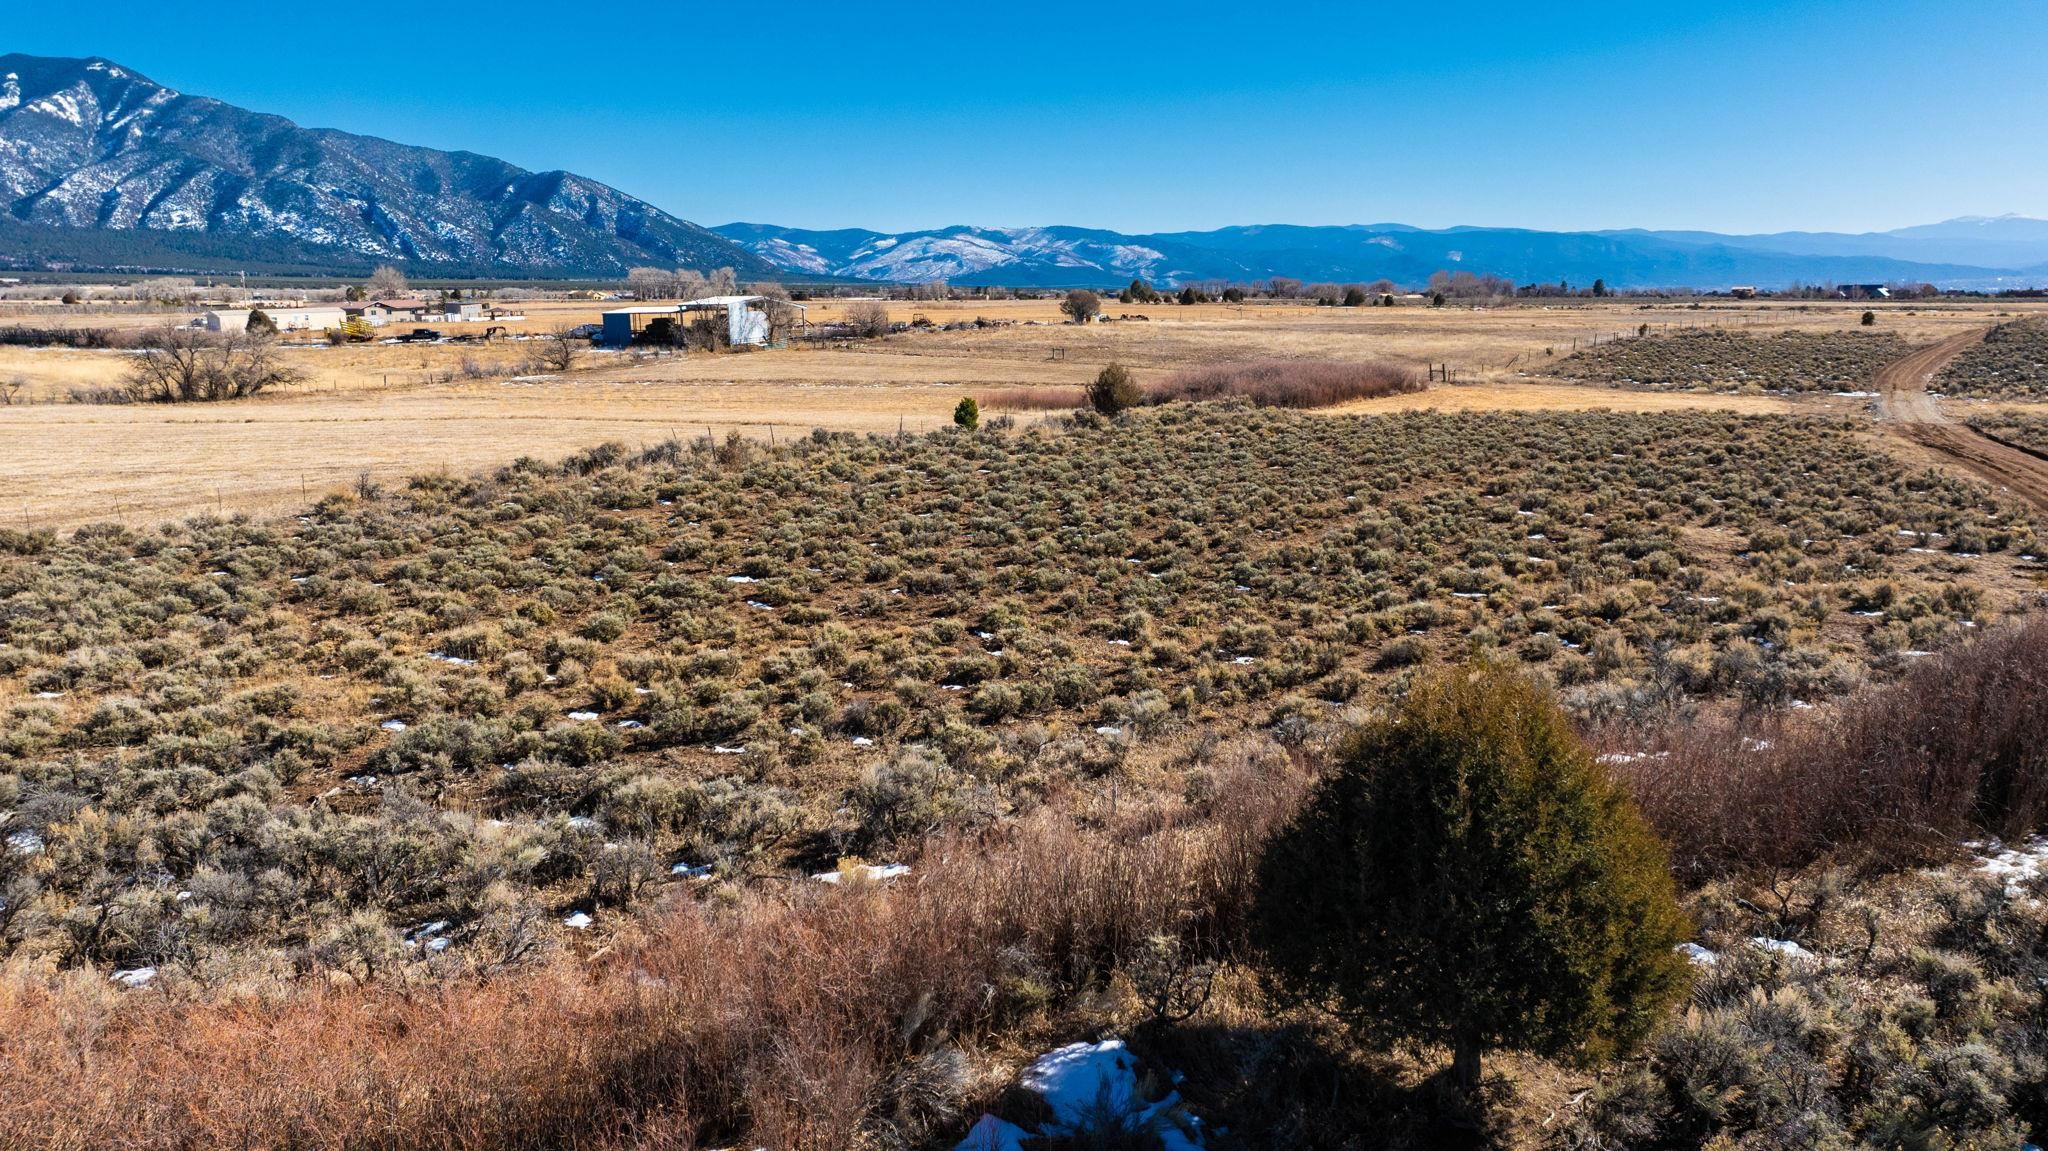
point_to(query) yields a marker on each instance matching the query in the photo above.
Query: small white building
(317, 319)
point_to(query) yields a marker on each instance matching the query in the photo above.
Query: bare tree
(387, 282)
(185, 365)
(650, 283)
(783, 316)
(868, 318)
(557, 353)
(724, 282)
(12, 387)
(1081, 305)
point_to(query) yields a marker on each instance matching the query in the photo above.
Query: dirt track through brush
(1913, 413)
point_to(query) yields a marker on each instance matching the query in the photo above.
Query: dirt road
(1912, 413)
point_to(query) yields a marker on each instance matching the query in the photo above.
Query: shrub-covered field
(2027, 430)
(2011, 364)
(1711, 359)
(472, 708)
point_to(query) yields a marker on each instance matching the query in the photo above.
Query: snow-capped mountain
(94, 156)
(1054, 256)
(2007, 252)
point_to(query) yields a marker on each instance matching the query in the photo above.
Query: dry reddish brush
(1266, 383)
(1034, 399)
(787, 1015)
(1290, 383)
(1954, 749)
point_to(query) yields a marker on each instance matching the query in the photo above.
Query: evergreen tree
(1114, 390)
(1468, 877)
(967, 413)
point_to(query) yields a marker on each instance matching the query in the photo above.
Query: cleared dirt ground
(393, 411)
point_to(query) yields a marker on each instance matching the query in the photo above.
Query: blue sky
(1731, 116)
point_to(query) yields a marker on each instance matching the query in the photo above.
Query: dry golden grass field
(395, 410)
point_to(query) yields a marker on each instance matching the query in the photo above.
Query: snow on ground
(1699, 956)
(1784, 947)
(1086, 1088)
(870, 871)
(2015, 865)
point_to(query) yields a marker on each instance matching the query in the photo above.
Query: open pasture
(391, 410)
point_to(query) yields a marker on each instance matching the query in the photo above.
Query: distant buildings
(378, 313)
(747, 322)
(313, 319)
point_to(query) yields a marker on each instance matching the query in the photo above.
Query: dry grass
(406, 409)
(794, 1017)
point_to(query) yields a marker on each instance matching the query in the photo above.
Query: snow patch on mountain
(87, 144)
(65, 106)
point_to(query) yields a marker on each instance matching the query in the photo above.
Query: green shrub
(1466, 876)
(1114, 390)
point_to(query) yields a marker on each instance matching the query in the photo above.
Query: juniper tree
(1467, 877)
(1114, 390)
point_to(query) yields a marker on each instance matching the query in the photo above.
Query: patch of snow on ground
(1784, 947)
(2015, 865)
(992, 1134)
(579, 921)
(870, 871)
(1084, 1084)
(1699, 956)
(134, 976)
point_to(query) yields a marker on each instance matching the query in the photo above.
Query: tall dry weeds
(782, 1018)
(1957, 747)
(1289, 383)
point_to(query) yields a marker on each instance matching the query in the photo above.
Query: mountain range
(1981, 253)
(102, 168)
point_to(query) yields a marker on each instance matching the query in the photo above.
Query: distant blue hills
(1986, 253)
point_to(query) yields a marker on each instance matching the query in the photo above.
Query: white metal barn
(286, 319)
(746, 318)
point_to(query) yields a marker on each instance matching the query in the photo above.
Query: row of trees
(681, 283)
